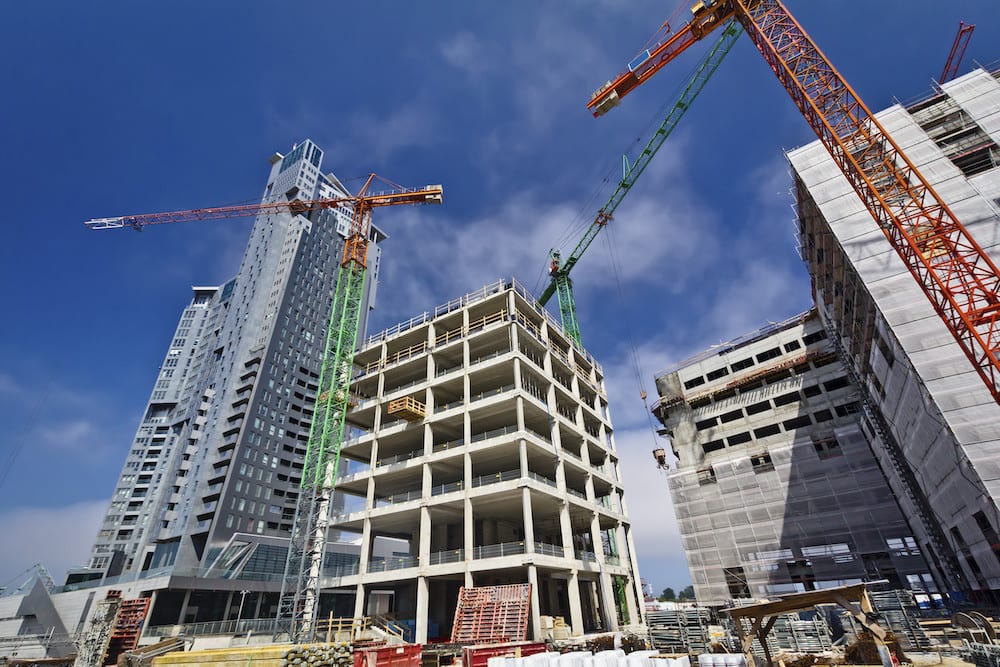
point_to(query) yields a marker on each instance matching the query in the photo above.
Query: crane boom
(957, 52)
(707, 17)
(957, 276)
(297, 206)
(299, 598)
(561, 283)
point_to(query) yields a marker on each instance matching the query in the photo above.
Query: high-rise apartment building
(484, 454)
(219, 448)
(776, 489)
(937, 426)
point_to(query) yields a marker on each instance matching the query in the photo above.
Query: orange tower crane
(956, 274)
(300, 587)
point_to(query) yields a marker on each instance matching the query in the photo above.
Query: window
(762, 462)
(765, 431)
(847, 409)
(773, 353)
(836, 383)
(786, 399)
(827, 448)
(744, 363)
(694, 382)
(716, 374)
(823, 416)
(793, 345)
(705, 423)
(797, 422)
(814, 337)
(739, 438)
(756, 408)
(731, 416)
(812, 390)
(713, 446)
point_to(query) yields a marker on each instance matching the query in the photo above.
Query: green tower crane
(560, 283)
(298, 603)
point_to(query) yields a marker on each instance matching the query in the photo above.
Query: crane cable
(612, 175)
(633, 349)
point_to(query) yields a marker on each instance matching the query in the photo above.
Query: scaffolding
(93, 646)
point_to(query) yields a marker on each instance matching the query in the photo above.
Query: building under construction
(934, 425)
(854, 442)
(485, 452)
(776, 489)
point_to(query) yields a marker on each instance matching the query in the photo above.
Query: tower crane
(957, 52)
(299, 599)
(559, 270)
(957, 276)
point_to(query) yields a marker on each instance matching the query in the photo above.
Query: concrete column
(630, 602)
(566, 526)
(523, 455)
(595, 538)
(366, 546)
(608, 606)
(575, 610)
(184, 606)
(359, 601)
(529, 526)
(634, 568)
(422, 609)
(536, 610)
(424, 538)
(469, 534)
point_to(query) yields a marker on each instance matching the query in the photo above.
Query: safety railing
(549, 549)
(506, 430)
(498, 550)
(541, 478)
(450, 444)
(450, 487)
(397, 498)
(391, 563)
(450, 556)
(389, 460)
(495, 478)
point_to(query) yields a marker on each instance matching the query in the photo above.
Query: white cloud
(654, 528)
(67, 436)
(57, 537)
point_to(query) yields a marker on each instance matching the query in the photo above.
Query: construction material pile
(613, 658)
(337, 654)
(319, 655)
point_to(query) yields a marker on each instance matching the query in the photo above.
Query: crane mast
(959, 279)
(561, 285)
(299, 597)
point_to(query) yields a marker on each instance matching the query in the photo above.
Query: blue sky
(128, 107)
